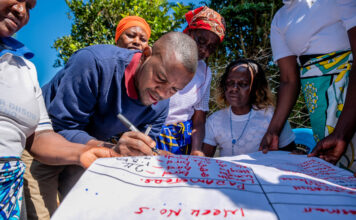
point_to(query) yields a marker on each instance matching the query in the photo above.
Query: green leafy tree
(248, 25)
(95, 21)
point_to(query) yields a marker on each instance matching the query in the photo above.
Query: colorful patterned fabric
(207, 19)
(324, 83)
(11, 182)
(176, 138)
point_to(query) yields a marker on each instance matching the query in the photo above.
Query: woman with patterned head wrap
(132, 32)
(184, 128)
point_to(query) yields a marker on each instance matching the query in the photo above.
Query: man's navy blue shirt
(84, 97)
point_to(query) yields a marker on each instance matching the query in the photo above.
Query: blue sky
(48, 21)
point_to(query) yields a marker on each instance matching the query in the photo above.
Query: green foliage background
(95, 21)
(247, 23)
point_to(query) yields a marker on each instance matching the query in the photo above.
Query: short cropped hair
(182, 45)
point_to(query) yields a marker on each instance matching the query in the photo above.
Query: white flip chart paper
(277, 185)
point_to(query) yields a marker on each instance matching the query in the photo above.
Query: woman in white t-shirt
(239, 128)
(320, 36)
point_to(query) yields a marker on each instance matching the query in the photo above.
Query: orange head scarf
(207, 19)
(132, 21)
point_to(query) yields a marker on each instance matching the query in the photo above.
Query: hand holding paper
(197, 153)
(330, 149)
(91, 153)
(269, 142)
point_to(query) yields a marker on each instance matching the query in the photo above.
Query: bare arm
(333, 146)
(51, 148)
(198, 132)
(287, 95)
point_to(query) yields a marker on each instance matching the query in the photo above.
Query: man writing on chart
(101, 81)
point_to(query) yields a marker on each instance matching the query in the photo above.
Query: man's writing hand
(135, 143)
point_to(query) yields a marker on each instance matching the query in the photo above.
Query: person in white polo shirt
(24, 121)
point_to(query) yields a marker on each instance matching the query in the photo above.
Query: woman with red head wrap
(132, 32)
(185, 125)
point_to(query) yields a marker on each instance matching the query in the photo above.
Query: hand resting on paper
(91, 153)
(197, 153)
(269, 142)
(330, 149)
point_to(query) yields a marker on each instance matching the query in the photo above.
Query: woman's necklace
(234, 141)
